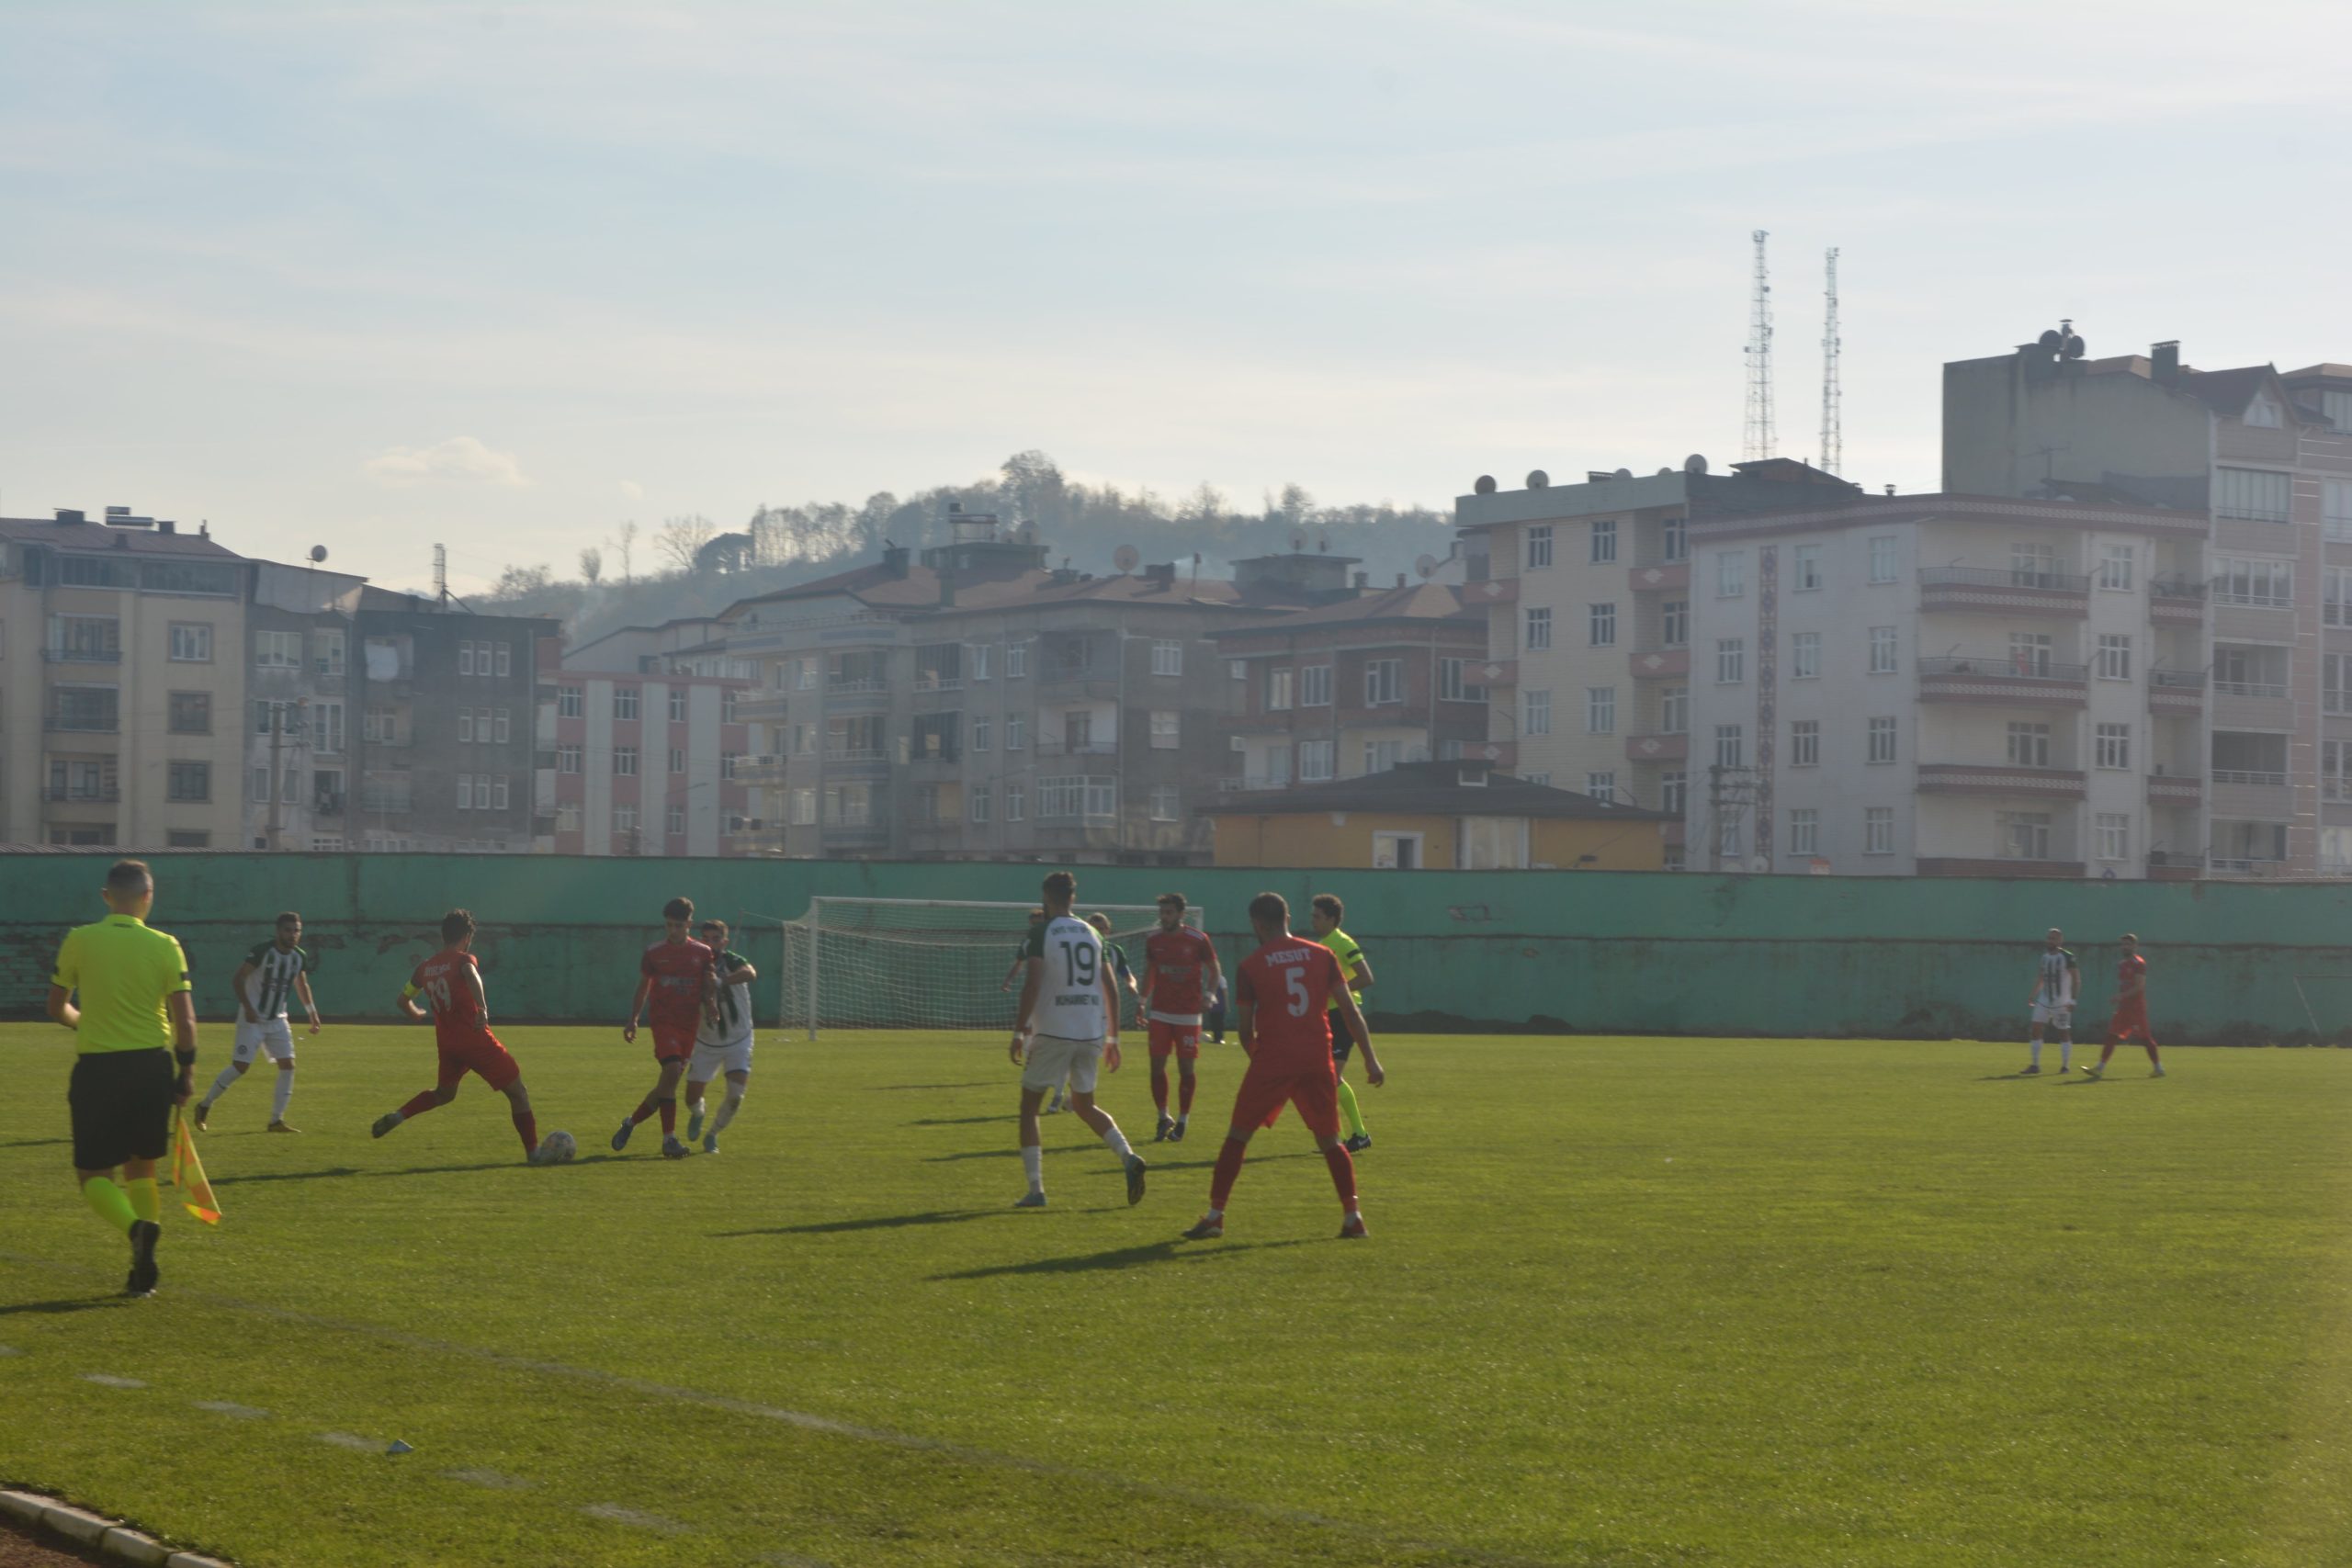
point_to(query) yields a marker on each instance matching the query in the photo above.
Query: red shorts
(1182, 1040)
(482, 1056)
(2129, 1022)
(672, 1041)
(1265, 1090)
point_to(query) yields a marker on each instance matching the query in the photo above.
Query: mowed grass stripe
(1628, 1300)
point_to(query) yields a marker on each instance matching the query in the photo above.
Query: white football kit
(1069, 1023)
(268, 989)
(2054, 999)
(726, 1049)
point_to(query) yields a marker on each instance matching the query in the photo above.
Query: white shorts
(710, 1061)
(1053, 1058)
(2063, 1017)
(272, 1034)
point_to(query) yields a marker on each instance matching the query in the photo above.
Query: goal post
(922, 963)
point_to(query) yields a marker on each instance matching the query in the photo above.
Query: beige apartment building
(122, 648)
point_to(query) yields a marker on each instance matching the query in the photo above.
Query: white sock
(1033, 1161)
(727, 1109)
(1116, 1141)
(1214, 1214)
(220, 1086)
(2065, 1052)
(2036, 1053)
(280, 1095)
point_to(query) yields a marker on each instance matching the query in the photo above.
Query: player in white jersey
(272, 971)
(2057, 981)
(1067, 1023)
(724, 1046)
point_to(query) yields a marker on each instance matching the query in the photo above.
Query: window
(625, 760)
(1881, 550)
(2335, 682)
(1882, 650)
(1535, 715)
(1804, 830)
(1165, 804)
(189, 782)
(1604, 541)
(675, 819)
(2115, 564)
(983, 733)
(804, 807)
(677, 759)
(567, 758)
(382, 726)
(1600, 710)
(624, 702)
(2114, 656)
(1601, 625)
(260, 784)
(1728, 837)
(2335, 769)
(805, 674)
(1805, 655)
(1167, 658)
(277, 650)
(625, 828)
(1316, 760)
(1674, 710)
(1731, 661)
(1878, 830)
(466, 791)
(571, 702)
(1016, 734)
(2030, 653)
(1238, 668)
(1315, 686)
(1603, 785)
(1804, 568)
(1731, 573)
(1016, 667)
(1674, 622)
(497, 783)
(2257, 494)
(273, 716)
(1731, 746)
(1881, 740)
(2335, 596)
(1163, 729)
(2025, 835)
(2032, 564)
(326, 728)
(2263, 413)
(2029, 745)
(1539, 545)
(1379, 756)
(2111, 830)
(2111, 746)
(1454, 685)
(1673, 791)
(1016, 794)
(2336, 503)
(466, 727)
(1278, 700)
(87, 708)
(1674, 540)
(191, 713)
(2248, 580)
(1804, 743)
(1384, 681)
(979, 801)
(677, 704)
(978, 657)
(505, 651)
(566, 817)
(327, 646)
(1536, 635)
(192, 643)
(466, 657)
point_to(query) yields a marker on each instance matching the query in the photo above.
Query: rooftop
(94, 536)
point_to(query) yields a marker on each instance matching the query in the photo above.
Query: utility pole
(1759, 441)
(1833, 437)
(277, 734)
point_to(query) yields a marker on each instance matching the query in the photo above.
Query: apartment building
(648, 763)
(305, 693)
(1588, 593)
(1947, 685)
(121, 678)
(2268, 455)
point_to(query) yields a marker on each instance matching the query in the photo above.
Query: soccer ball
(556, 1149)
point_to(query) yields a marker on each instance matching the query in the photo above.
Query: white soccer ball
(557, 1149)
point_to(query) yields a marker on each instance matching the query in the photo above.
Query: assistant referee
(135, 1006)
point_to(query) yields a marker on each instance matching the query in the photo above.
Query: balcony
(763, 768)
(2176, 602)
(329, 805)
(1663, 578)
(2241, 866)
(2174, 789)
(1067, 681)
(856, 755)
(105, 794)
(1976, 778)
(1055, 745)
(2003, 681)
(1494, 591)
(80, 723)
(82, 655)
(2176, 694)
(2252, 705)
(2252, 794)
(1955, 865)
(2163, 865)
(761, 709)
(1987, 590)
(1661, 663)
(1657, 747)
(855, 835)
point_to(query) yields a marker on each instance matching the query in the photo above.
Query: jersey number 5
(1295, 981)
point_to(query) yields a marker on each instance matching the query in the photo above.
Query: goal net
(923, 963)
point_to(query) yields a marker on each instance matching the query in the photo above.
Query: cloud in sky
(632, 490)
(461, 460)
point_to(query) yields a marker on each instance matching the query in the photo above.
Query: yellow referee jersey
(124, 972)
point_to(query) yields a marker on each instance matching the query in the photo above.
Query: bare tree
(592, 564)
(625, 547)
(681, 540)
(1205, 504)
(517, 582)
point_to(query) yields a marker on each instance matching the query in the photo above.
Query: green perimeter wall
(1582, 952)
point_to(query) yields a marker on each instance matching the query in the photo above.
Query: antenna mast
(1760, 440)
(441, 574)
(1833, 436)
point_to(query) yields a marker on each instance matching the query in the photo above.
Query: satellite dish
(1666, 473)
(318, 554)
(1485, 485)
(2073, 348)
(1695, 464)
(1624, 473)
(2050, 341)
(1426, 566)
(1538, 480)
(1126, 558)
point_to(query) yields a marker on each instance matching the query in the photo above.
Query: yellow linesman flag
(187, 1172)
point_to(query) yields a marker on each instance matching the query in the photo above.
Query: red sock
(420, 1105)
(1184, 1087)
(1343, 1175)
(644, 1109)
(1228, 1170)
(1160, 1083)
(528, 1125)
(668, 1117)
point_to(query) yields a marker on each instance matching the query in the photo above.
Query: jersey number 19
(1078, 963)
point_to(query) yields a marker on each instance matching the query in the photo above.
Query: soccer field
(1626, 1302)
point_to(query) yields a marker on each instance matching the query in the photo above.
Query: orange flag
(187, 1172)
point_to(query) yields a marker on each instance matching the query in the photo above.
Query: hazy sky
(504, 275)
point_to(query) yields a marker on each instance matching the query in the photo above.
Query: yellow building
(1436, 816)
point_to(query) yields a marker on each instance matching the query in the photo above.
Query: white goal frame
(1127, 920)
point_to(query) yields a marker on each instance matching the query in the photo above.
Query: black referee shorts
(121, 1103)
(1344, 1039)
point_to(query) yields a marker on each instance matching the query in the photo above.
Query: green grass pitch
(1627, 1302)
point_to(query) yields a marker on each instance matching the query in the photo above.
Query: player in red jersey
(1180, 973)
(451, 981)
(681, 977)
(2131, 1010)
(1280, 992)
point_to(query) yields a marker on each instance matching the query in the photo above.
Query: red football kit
(1289, 984)
(2131, 1011)
(1180, 963)
(459, 1030)
(678, 970)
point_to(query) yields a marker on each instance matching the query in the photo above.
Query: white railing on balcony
(2247, 776)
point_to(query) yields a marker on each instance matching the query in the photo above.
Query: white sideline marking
(488, 1478)
(9, 1350)
(223, 1407)
(349, 1441)
(107, 1380)
(620, 1515)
